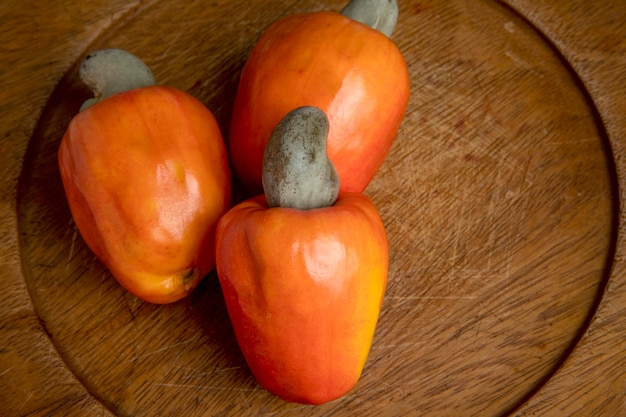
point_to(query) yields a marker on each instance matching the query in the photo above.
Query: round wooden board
(500, 197)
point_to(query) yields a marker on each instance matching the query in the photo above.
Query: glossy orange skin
(303, 290)
(355, 74)
(146, 177)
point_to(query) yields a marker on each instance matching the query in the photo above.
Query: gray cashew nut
(377, 14)
(296, 170)
(111, 71)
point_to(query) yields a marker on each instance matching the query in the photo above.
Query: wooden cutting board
(507, 284)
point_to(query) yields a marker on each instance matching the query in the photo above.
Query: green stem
(377, 14)
(296, 170)
(111, 71)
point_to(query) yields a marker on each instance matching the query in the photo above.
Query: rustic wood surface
(507, 286)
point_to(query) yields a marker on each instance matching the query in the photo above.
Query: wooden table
(501, 198)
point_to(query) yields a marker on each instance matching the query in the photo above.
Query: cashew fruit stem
(296, 170)
(377, 14)
(111, 71)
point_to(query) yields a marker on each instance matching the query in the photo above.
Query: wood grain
(500, 197)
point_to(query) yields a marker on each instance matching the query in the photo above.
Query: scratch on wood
(72, 246)
(398, 345)
(302, 407)
(7, 370)
(163, 349)
(509, 259)
(492, 233)
(208, 387)
(230, 368)
(424, 297)
(525, 174)
(104, 277)
(195, 374)
(519, 61)
(30, 395)
(397, 388)
(573, 142)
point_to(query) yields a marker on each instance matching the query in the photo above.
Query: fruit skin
(303, 290)
(354, 73)
(146, 177)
